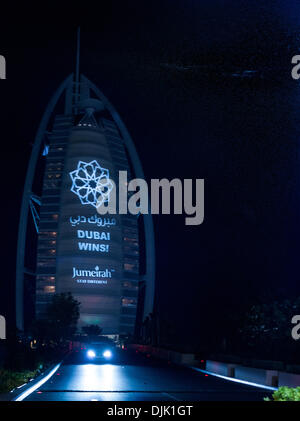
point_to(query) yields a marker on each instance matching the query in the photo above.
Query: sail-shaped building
(82, 141)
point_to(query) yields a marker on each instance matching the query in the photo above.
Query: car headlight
(107, 353)
(91, 353)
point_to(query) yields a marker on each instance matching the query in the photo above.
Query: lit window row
(48, 234)
(53, 175)
(52, 184)
(50, 217)
(131, 250)
(129, 302)
(48, 289)
(129, 267)
(130, 285)
(131, 240)
(46, 263)
(47, 244)
(49, 279)
(54, 167)
(47, 252)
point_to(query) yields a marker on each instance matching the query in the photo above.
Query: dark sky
(241, 135)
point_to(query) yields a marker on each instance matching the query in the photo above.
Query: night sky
(242, 135)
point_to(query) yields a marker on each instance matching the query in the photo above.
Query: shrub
(11, 379)
(285, 393)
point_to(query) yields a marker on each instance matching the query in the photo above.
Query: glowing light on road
(107, 354)
(98, 377)
(91, 353)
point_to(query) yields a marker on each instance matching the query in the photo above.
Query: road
(136, 377)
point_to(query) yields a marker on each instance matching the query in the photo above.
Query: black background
(241, 135)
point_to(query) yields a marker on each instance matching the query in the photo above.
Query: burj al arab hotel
(82, 139)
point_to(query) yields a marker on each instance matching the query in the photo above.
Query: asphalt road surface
(135, 377)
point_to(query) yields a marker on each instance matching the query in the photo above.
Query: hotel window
(47, 244)
(130, 231)
(54, 167)
(129, 310)
(127, 320)
(47, 234)
(130, 285)
(131, 267)
(52, 184)
(49, 208)
(50, 200)
(46, 262)
(131, 240)
(48, 224)
(131, 250)
(53, 191)
(46, 279)
(129, 302)
(53, 175)
(47, 252)
(49, 217)
(56, 148)
(50, 234)
(56, 151)
(130, 222)
(49, 289)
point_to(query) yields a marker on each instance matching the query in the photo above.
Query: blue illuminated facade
(96, 258)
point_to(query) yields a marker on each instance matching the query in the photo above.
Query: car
(100, 351)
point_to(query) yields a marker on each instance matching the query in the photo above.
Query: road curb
(27, 388)
(232, 379)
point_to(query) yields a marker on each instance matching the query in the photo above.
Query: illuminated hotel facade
(82, 142)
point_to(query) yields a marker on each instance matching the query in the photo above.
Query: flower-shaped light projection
(91, 183)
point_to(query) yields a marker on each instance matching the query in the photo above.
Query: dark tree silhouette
(92, 330)
(62, 316)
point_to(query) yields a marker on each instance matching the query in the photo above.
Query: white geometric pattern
(91, 183)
